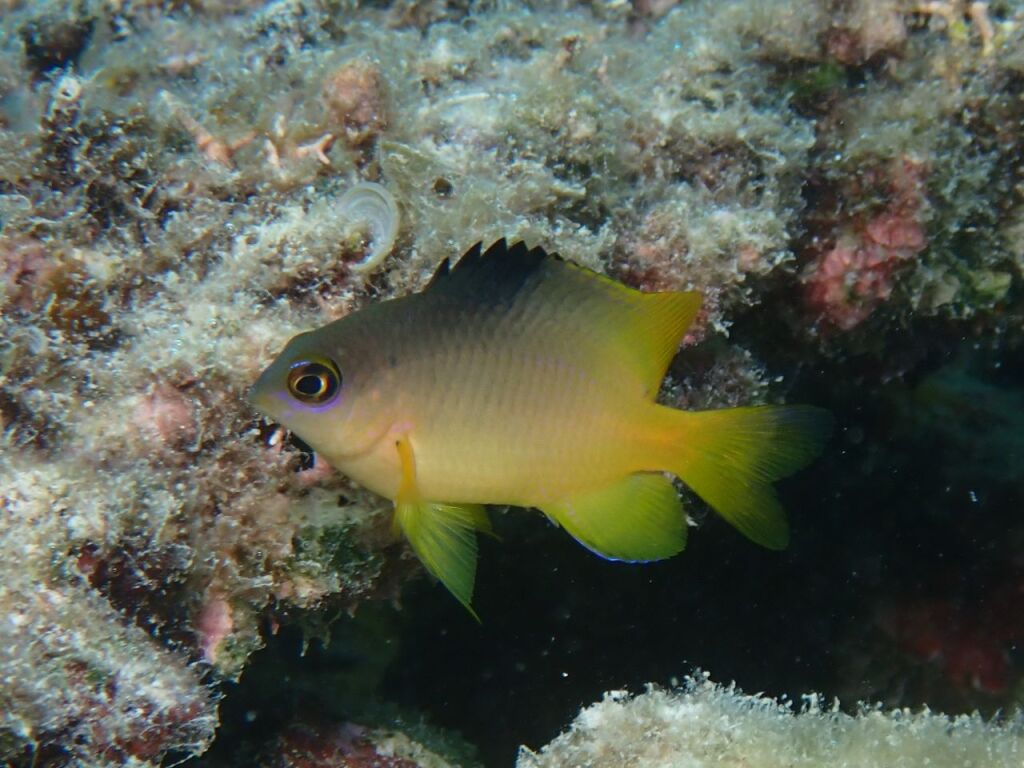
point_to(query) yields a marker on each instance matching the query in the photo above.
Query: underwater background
(184, 186)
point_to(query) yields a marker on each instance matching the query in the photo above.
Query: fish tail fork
(731, 457)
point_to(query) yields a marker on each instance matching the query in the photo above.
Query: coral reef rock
(705, 725)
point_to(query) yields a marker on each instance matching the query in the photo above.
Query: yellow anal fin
(635, 520)
(443, 536)
(730, 458)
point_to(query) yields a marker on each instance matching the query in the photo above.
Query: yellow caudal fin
(731, 457)
(637, 519)
(443, 536)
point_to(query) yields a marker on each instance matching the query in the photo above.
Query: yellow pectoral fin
(636, 520)
(443, 536)
(407, 490)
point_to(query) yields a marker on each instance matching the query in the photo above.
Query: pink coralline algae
(165, 414)
(24, 264)
(353, 95)
(345, 745)
(968, 642)
(856, 274)
(214, 625)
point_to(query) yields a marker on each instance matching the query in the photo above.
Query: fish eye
(314, 381)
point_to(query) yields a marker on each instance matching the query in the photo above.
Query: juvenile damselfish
(518, 378)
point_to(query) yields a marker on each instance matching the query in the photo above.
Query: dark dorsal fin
(613, 326)
(495, 275)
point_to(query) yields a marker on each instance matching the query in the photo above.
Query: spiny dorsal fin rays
(495, 275)
(622, 329)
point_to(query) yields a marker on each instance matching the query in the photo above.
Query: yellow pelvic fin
(730, 458)
(635, 520)
(443, 536)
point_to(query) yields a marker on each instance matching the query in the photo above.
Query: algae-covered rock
(840, 180)
(703, 724)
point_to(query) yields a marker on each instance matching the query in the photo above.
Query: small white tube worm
(371, 203)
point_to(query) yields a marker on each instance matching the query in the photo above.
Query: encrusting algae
(840, 181)
(518, 378)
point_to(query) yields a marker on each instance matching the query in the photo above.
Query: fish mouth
(261, 393)
(259, 398)
(254, 397)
